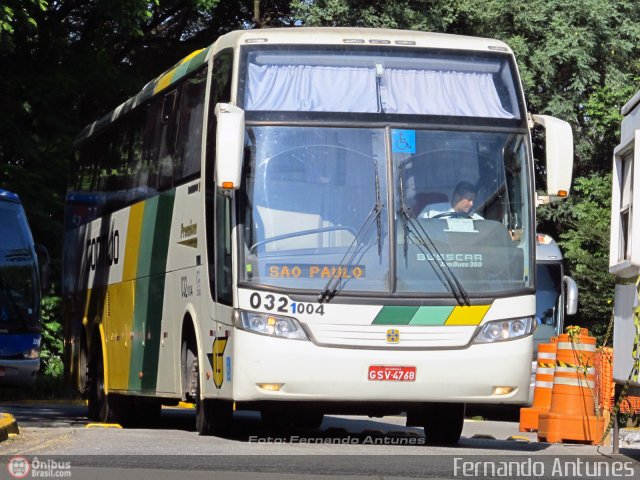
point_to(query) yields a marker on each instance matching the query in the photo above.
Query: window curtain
(430, 92)
(354, 89)
(311, 88)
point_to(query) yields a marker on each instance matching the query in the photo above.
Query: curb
(8, 426)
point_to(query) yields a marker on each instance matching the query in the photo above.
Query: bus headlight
(501, 330)
(274, 325)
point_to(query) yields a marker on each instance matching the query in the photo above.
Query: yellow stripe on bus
(165, 80)
(117, 318)
(471, 315)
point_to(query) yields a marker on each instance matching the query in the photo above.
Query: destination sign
(299, 270)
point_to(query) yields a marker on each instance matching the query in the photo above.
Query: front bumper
(308, 372)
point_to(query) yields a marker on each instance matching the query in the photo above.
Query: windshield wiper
(424, 242)
(335, 281)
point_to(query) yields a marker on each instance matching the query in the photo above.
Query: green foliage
(582, 223)
(64, 64)
(578, 60)
(51, 350)
(13, 12)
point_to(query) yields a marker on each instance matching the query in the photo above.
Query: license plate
(383, 373)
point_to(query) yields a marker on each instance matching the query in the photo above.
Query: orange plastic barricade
(545, 368)
(605, 386)
(572, 415)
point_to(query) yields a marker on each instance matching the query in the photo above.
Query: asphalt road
(54, 437)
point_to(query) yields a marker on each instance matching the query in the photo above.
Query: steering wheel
(453, 214)
(301, 233)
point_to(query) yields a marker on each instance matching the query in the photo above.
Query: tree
(578, 60)
(64, 64)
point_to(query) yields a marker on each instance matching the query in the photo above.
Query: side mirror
(571, 289)
(559, 151)
(45, 269)
(229, 145)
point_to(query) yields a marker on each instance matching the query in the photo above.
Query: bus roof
(358, 36)
(373, 37)
(6, 195)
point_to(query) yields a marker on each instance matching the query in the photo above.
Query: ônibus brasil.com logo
(20, 467)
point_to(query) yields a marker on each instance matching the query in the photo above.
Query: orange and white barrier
(605, 386)
(572, 415)
(545, 370)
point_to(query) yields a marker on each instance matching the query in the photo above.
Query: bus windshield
(18, 270)
(320, 202)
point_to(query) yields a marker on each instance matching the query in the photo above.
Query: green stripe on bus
(431, 315)
(434, 315)
(150, 284)
(138, 342)
(395, 315)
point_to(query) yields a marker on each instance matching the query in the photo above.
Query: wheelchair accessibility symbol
(403, 141)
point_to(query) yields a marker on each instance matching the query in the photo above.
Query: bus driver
(461, 204)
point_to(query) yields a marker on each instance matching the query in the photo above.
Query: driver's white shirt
(434, 209)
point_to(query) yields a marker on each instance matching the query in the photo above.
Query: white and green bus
(253, 230)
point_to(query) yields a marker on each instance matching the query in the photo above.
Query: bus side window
(135, 175)
(223, 248)
(151, 145)
(167, 140)
(189, 138)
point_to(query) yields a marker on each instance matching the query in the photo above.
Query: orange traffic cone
(571, 417)
(545, 368)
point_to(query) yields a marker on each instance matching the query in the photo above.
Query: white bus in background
(556, 296)
(248, 232)
(556, 293)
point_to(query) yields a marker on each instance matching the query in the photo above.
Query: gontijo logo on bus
(299, 270)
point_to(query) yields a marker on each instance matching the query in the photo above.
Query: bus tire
(83, 368)
(443, 423)
(213, 417)
(102, 406)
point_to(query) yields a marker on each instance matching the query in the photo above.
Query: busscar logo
(454, 260)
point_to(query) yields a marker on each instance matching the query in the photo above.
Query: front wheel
(212, 416)
(443, 423)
